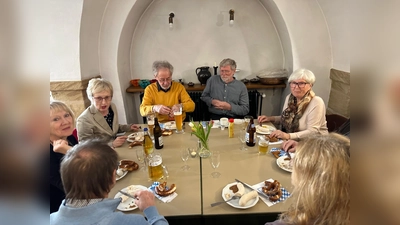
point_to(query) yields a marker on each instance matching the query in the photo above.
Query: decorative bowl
(135, 82)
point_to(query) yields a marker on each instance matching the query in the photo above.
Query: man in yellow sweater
(165, 96)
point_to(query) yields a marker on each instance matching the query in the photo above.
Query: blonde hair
(56, 106)
(97, 85)
(322, 185)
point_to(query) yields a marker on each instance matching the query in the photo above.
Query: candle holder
(215, 69)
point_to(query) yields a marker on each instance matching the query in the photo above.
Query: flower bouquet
(198, 131)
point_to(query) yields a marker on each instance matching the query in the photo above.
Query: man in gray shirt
(224, 95)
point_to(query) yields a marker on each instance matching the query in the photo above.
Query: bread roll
(247, 197)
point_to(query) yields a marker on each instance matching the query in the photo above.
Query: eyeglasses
(300, 84)
(165, 79)
(100, 99)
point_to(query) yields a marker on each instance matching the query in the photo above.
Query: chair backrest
(334, 121)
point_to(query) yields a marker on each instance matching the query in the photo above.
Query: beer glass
(247, 121)
(156, 169)
(262, 146)
(178, 120)
(150, 123)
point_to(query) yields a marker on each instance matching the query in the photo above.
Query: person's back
(88, 174)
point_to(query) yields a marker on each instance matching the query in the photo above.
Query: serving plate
(284, 164)
(169, 125)
(129, 204)
(265, 129)
(136, 136)
(123, 175)
(235, 203)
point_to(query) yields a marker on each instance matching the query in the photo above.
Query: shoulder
(240, 84)
(178, 86)
(317, 101)
(84, 114)
(151, 88)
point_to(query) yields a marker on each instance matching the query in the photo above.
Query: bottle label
(160, 141)
(248, 138)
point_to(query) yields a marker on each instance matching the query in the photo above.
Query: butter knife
(248, 186)
(131, 196)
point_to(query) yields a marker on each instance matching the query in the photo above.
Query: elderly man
(88, 172)
(225, 96)
(165, 95)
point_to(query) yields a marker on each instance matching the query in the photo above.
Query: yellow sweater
(177, 94)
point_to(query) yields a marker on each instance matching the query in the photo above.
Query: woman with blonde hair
(100, 119)
(62, 125)
(321, 180)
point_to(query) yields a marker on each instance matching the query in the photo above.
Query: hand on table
(144, 199)
(119, 141)
(135, 127)
(289, 145)
(280, 134)
(61, 146)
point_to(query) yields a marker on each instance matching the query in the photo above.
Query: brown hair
(87, 170)
(321, 172)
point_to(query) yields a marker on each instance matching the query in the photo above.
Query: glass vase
(204, 150)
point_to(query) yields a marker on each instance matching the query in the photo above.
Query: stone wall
(339, 98)
(73, 93)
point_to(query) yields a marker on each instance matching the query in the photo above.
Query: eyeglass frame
(298, 84)
(100, 99)
(162, 80)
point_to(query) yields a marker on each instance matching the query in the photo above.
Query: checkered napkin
(285, 193)
(165, 199)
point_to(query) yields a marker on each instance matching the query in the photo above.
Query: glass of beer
(150, 123)
(247, 121)
(155, 167)
(178, 120)
(263, 146)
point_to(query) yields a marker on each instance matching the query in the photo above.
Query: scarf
(291, 115)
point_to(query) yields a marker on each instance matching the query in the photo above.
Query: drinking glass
(185, 157)
(215, 160)
(178, 120)
(242, 138)
(247, 121)
(140, 157)
(262, 146)
(150, 123)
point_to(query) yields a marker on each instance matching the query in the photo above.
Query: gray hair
(302, 74)
(56, 106)
(157, 65)
(97, 85)
(228, 62)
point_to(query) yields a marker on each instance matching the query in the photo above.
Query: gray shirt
(235, 93)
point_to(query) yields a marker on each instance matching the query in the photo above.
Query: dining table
(197, 189)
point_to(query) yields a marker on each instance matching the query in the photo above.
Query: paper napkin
(282, 152)
(285, 193)
(165, 199)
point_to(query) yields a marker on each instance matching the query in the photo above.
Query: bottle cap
(231, 120)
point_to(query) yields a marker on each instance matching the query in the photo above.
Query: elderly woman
(321, 181)
(303, 112)
(62, 124)
(100, 119)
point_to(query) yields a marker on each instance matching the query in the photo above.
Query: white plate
(170, 125)
(283, 164)
(264, 126)
(120, 177)
(272, 143)
(129, 204)
(137, 136)
(235, 203)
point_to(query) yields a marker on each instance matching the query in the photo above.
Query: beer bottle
(158, 138)
(147, 143)
(250, 133)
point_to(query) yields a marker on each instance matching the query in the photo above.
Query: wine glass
(242, 138)
(185, 157)
(215, 160)
(140, 157)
